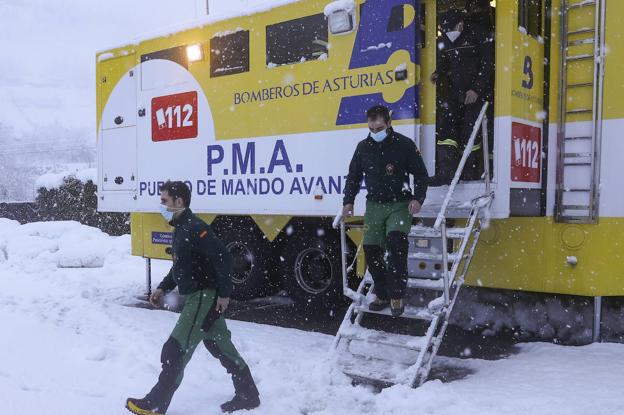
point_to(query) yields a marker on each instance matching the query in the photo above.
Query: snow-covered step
(371, 369)
(359, 333)
(427, 256)
(420, 231)
(415, 313)
(426, 283)
(432, 283)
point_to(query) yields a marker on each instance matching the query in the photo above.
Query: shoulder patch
(203, 233)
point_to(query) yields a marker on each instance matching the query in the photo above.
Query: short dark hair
(177, 190)
(450, 19)
(378, 111)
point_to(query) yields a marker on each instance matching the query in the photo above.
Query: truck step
(357, 333)
(370, 370)
(426, 256)
(414, 313)
(428, 232)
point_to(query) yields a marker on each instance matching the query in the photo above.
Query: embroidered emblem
(389, 169)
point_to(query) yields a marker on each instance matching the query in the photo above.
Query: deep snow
(71, 346)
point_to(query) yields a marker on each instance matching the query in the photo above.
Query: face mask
(379, 136)
(453, 35)
(165, 213)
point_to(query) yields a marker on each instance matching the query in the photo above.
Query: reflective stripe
(476, 147)
(448, 142)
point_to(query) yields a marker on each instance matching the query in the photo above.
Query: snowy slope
(70, 346)
(47, 74)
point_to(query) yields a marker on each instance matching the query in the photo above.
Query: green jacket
(386, 167)
(200, 260)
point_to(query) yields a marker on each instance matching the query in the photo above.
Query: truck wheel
(253, 259)
(311, 269)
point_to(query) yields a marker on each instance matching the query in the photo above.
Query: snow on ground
(71, 346)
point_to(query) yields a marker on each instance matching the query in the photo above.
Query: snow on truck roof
(219, 11)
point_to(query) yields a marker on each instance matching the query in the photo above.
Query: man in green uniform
(385, 159)
(202, 272)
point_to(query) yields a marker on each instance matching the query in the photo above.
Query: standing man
(385, 159)
(466, 59)
(202, 272)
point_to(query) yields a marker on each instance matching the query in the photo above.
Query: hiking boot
(240, 402)
(447, 160)
(473, 170)
(396, 307)
(142, 407)
(378, 305)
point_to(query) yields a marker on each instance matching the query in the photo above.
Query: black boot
(246, 394)
(142, 407)
(239, 403)
(396, 307)
(398, 247)
(377, 267)
(379, 304)
(447, 160)
(473, 170)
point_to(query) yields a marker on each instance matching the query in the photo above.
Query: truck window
(229, 53)
(530, 17)
(396, 21)
(297, 40)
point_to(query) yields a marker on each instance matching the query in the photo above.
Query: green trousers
(198, 322)
(386, 226)
(381, 219)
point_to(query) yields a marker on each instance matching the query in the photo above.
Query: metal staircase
(579, 126)
(436, 276)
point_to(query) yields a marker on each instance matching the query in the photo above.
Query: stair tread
(420, 282)
(414, 313)
(583, 56)
(371, 369)
(580, 4)
(432, 257)
(359, 333)
(426, 283)
(429, 232)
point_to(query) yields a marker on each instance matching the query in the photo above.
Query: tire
(311, 267)
(253, 257)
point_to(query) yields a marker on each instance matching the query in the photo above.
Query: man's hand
(347, 210)
(434, 77)
(222, 304)
(471, 97)
(414, 207)
(155, 297)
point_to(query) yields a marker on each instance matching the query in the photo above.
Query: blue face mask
(165, 213)
(379, 136)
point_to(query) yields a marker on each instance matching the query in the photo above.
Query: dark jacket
(469, 61)
(200, 260)
(386, 167)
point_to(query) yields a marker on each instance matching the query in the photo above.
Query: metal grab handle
(337, 220)
(348, 292)
(460, 167)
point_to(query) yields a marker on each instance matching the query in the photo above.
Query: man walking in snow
(202, 272)
(385, 159)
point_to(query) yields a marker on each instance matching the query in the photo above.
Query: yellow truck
(260, 113)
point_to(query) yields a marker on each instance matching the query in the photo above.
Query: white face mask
(453, 35)
(166, 213)
(379, 136)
